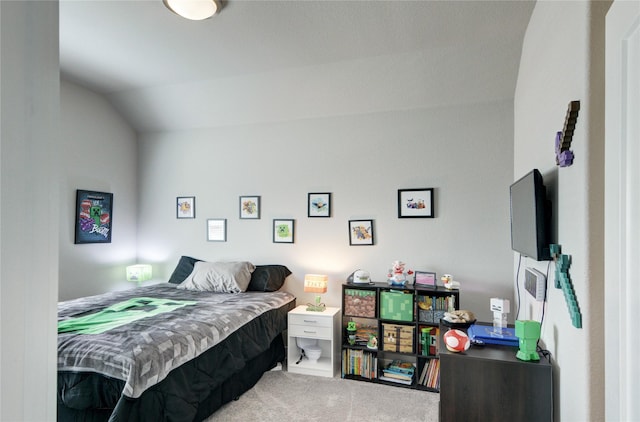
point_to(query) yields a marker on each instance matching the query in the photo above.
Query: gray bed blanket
(142, 352)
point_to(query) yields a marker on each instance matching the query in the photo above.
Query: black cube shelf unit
(405, 322)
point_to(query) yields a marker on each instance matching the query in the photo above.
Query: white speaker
(535, 283)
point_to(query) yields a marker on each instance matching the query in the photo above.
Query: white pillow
(222, 277)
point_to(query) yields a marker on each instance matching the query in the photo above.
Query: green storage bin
(396, 305)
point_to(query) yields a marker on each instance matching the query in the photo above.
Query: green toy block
(528, 333)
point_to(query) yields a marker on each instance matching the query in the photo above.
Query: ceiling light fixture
(195, 10)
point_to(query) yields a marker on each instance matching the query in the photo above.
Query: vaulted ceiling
(270, 61)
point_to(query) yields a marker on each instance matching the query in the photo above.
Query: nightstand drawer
(310, 331)
(310, 320)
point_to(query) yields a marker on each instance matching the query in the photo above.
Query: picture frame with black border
(283, 230)
(425, 279)
(94, 217)
(319, 204)
(361, 233)
(186, 207)
(416, 203)
(217, 229)
(250, 207)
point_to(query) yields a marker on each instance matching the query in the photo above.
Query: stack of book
(359, 363)
(399, 372)
(430, 376)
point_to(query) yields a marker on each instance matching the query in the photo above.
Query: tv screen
(530, 217)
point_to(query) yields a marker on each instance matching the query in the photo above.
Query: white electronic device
(360, 277)
(535, 283)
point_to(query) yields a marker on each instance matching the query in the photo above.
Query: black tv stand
(491, 383)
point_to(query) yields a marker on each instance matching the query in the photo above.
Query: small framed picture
(415, 203)
(319, 205)
(94, 217)
(283, 231)
(425, 279)
(250, 207)
(217, 229)
(186, 207)
(360, 232)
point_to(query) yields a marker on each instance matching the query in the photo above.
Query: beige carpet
(282, 396)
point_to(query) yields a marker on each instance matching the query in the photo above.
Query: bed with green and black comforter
(158, 353)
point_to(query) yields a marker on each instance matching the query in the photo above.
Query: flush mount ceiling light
(196, 10)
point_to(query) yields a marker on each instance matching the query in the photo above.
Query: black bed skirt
(243, 381)
(232, 388)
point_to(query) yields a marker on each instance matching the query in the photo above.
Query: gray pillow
(221, 277)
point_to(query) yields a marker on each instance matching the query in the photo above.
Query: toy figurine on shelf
(351, 330)
(448, 282)
(397, 275)
(373, 342)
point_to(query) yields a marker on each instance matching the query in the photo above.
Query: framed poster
(186, 207)
(319, 205)
(217, 229)
(415, 203)
(360, 232)
(283, 231)
(425, 279)
(250, 207)
(94, 217)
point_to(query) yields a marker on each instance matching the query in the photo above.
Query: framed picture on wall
(360, 232)
(415, 203)
(217, 229)
(186, 207)
(283, 231)
(319, 205)
(250, 207)
(94, 217)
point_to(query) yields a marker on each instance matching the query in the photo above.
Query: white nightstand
(322, 326)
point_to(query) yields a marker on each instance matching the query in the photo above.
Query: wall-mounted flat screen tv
(530, 217)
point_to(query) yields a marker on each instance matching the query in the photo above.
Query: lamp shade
(195, 10)
(315, 283)
(139, 272)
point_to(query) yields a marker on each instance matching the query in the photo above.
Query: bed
(173, 351)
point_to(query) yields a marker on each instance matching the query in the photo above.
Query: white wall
(99, 152)
(464, 152)
(29, 119)
(563, 60)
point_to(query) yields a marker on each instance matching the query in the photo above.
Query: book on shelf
(396, 375)
(396, 380)
(398, 371)
(360, 363)
(430, 375)
(399, 366)
(423, 374)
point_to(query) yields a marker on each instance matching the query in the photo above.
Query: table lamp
(139, 273)
(316, 283)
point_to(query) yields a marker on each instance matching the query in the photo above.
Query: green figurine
(528, 333)
(373, 342)
(351, 330)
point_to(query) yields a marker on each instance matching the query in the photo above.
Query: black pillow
(183, 269)
(268, 278)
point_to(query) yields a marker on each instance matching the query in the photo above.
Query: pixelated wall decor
(563, 281)
(564, 156)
